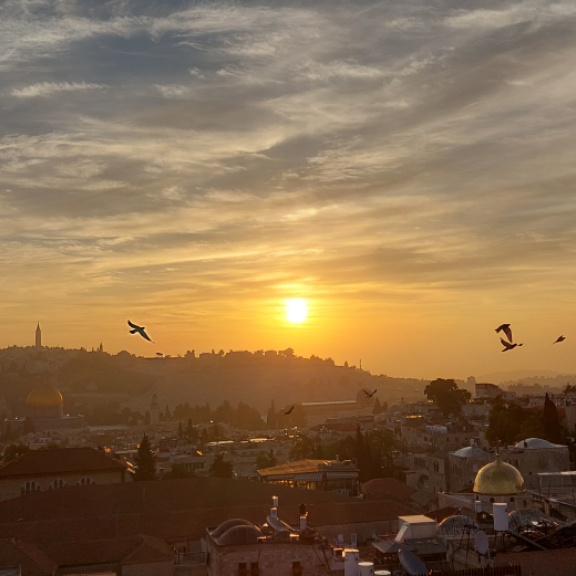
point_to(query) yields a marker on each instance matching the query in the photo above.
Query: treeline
(373, 452)
(243, 416)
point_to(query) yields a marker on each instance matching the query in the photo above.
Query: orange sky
(407, 169)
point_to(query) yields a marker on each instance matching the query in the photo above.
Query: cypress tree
(145, 462)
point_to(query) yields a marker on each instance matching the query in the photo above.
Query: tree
(266, 460)
(191, 431)
(14, 451)
(145, 461)
(551, 421)
(447, 396)
(220, 468)
(377, 408)
(512, 423)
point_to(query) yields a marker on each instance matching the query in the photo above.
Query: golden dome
(499, 479)
(44, 396)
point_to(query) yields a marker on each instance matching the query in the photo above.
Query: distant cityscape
(430, 466)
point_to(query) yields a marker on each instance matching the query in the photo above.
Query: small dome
(499, 479)
(470, 452)
(44, 396)
(535, 444)
(225, 526)
(242, 534)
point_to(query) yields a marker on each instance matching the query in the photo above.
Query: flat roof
(417, 519)
(302, 468)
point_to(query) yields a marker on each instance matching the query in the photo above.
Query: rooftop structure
(315, 475)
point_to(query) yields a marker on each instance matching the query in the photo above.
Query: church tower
(38, 336)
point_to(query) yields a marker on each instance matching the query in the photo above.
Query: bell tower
(38, 336)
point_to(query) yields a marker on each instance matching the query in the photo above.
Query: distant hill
(515, 375)
(255, 378)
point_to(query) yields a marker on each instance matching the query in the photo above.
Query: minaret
(38, 336)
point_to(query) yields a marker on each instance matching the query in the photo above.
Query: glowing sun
(296, 310)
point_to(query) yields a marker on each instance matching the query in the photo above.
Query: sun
(296, 310)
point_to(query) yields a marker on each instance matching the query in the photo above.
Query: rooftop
(310, 467)
(60, 460)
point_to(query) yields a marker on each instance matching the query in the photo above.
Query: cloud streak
(395, 159)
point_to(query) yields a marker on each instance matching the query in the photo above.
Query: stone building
(530, 456)
(41, 470)
(275, 549)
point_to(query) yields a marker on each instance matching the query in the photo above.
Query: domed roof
(242, 534)
(217, 532)
(499, 479)
(44, 396)
(470, 452)
(535, 444)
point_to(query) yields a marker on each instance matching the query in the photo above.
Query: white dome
(470, 452)
(535, 444)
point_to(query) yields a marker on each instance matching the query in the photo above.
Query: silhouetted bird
(140, 330)
(508, 346)
(159, 354)
(368, 393)
(289, 411)
(559, 339)
(506, 329)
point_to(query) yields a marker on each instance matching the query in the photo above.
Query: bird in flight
(140, 330)
(559, 339)
(506, 329)
(508, 346)
(368, 393)
(289, 411)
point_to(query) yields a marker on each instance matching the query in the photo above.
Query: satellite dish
(482, 544)
(411, 563)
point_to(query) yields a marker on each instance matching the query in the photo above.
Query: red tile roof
(381, 488)
(60, 461)
(172, 509)
(32, 561)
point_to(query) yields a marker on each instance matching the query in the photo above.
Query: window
(296, 569)
(29, 487)
(242, 569)
(254, 569)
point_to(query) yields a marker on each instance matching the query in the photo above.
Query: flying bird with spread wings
(368, 393)
(508, 346)
(506, 329)
(139, 330)
(288, 412)
(559, 339)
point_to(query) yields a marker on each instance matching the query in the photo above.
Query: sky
(408, 168)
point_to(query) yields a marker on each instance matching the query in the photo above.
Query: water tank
(500, 512)
(366, 569)
(382, 573)
(477, 506)
(351, 559)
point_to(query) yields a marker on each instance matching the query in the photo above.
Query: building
(42, 470)
(276, 549)
(326, 475)
(44, 413)
(133, 556)
(531, 456)
(318, 412)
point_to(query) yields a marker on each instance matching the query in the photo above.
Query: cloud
(394, 155)
(45, 89)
